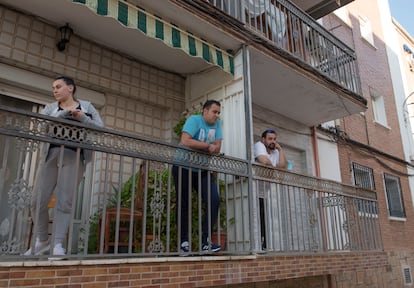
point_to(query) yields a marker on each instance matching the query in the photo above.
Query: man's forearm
(195, 144)
(282, 160)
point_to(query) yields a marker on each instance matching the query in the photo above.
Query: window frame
(343, 14)
(363, 169)
(378, 109)
(365, 208)
(397, 214)
(365, 28)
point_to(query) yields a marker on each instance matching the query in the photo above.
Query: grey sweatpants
(65, 184)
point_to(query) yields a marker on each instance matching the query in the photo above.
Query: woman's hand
(77, 114)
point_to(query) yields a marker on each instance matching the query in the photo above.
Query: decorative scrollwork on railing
(11, 247)
(26, 145)
(313, 221)
(157, 206)
(347, 227)
(334, 201)
(19, 194)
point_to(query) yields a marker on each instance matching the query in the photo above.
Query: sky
(402, 11)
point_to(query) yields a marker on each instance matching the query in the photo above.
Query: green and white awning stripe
(134, 17)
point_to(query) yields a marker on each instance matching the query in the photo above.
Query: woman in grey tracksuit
(66, 183)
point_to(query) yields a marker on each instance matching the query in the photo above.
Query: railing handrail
(275, 175)
(284, 25)
(318, 27)
(99, 140)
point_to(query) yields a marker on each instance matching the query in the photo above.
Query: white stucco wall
(328, 159)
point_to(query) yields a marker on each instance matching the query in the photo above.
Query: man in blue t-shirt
(200, 132)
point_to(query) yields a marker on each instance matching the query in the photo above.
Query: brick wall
(375, 79)
(214, 271)
(395, 232)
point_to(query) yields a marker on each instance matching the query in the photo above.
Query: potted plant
(123, 196)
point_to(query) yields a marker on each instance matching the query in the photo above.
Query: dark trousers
(262, 222)
(185, 192)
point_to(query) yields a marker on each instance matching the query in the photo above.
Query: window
(407, 275)
(343, 14)
(378, 108)
(409, 57)
(366, 30)
(363, 176)
(394, 196)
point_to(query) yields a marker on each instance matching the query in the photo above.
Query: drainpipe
(249, 137)
(315, 151)
(318, 174)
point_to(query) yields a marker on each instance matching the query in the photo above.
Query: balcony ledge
(134, 260)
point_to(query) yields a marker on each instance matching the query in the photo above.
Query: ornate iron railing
(282, 23)
(309, 214)
(128, 188)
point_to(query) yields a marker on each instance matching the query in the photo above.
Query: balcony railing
(287, 27)
(126, 203)
(307, 214)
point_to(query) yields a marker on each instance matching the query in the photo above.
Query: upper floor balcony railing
(126, 203)
(287, 27)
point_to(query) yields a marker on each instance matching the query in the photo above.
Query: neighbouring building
(338, 217)
(374, 149)
(403, 78)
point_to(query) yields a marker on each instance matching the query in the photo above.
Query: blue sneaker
(185, 247)
(213, 247)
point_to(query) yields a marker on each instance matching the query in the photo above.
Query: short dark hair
(264, 134)
(68, 81)
(208, 104)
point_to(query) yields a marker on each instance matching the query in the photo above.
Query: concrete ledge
(140, 260)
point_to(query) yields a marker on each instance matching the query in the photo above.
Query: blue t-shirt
(201, 131)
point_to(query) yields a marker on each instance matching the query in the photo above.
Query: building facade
(145, 64)
(369, 154)
(404, 72)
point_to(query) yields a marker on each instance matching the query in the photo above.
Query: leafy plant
(157, 220)
(178, 128)
(124, 194)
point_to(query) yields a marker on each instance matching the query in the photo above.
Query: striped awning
(153, 26)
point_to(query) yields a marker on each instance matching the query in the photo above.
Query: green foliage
(156, 182)
(126, 192)
(178, 128)
(93, 240)
(94, 220)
